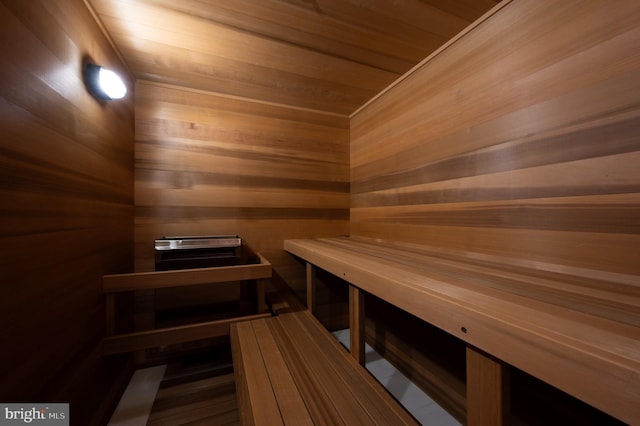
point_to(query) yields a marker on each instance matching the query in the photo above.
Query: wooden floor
(208, 401)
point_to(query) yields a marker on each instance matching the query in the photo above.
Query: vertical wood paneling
(66, 182)
(213, 164)
(520, 139)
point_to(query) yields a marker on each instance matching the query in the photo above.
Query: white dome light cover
(103, 83)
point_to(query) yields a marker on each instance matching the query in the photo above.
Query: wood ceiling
(327, 55)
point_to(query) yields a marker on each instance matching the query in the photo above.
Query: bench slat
(292, 407)
(587, 294)
(311, 382)
(324, 373)
(360, 389)
(320, 408)
(377, 398)
(253, 379)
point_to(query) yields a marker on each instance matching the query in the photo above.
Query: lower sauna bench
(291, 370)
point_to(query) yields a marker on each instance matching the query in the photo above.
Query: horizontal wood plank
(168, 336)
(506, 146)
(185, 277)
(208, 164)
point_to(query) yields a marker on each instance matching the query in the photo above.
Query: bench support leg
(111, 314)
(487, 389)
(357, 323)
(143, 318)
(261, 289)
(311, 288)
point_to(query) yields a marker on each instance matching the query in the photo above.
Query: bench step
(290, 370)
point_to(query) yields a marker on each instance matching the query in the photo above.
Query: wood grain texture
(487, 390)
(185, 277)
(172, 335)
(202, 402)
(210, 164)
(327, 55)
(357, 324)
(310, 274)
(314, 380)
(66, 181)
(290, 403)
(432, 359)
(252, 379)
(357, 395)
(591, 356)
(523, 145)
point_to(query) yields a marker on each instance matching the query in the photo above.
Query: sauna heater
(173, 253)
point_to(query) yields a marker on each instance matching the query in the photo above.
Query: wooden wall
(66, 182)
(212, 164)
(521, 138)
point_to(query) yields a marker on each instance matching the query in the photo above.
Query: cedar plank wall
(212, 164)
(521, 139)
(66, 178)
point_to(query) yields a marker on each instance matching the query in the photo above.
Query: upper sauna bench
(576, 329)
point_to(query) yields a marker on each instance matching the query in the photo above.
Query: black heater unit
(197, 252)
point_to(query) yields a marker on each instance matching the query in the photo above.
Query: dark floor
(208, 401)
(197, 389)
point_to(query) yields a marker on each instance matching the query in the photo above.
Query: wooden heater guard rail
(575, 329)
(113, 284)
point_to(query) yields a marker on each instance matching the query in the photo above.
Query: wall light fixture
(103, 83)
